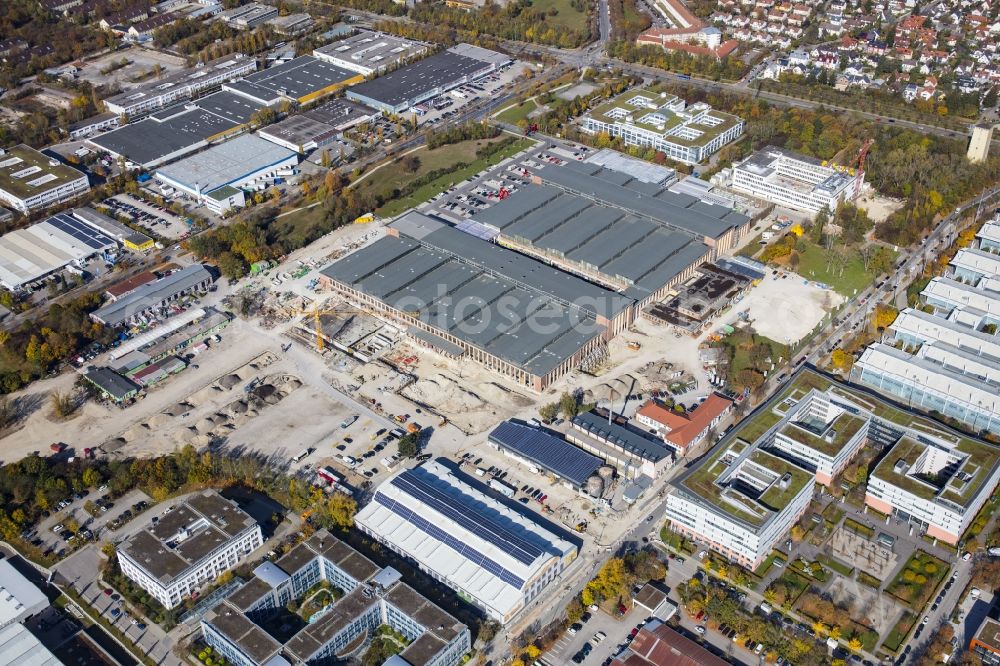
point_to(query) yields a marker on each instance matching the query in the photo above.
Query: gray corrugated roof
(631, 441)
(466, 287)
(669, 208)
(551, 453)
(644, 253)
(149, 294)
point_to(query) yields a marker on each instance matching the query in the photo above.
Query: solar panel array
(483, 526)
(465, 550)
(80, 231)
(552, 453)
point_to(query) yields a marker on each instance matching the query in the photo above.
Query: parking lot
(493, 185)
(53, 536)
(155, 219)
(444, 106)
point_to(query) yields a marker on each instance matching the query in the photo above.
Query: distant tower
(979, 144)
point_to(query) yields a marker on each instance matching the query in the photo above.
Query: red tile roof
(684, 428)
(662, 646)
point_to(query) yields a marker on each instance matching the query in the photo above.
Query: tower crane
(316, 314)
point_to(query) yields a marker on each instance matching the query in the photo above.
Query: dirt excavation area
(243, 394)
(784, 309)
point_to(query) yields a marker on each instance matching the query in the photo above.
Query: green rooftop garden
(846, 426)
(775, 497)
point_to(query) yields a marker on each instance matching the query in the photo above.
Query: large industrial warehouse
(631, 236)
(233, 164)
(581, 233)
(302, 80)
(493, 555)
(28, 255)
(464, 295)
(171, 133)
(420, 81)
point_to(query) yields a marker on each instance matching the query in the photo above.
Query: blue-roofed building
(541, 449)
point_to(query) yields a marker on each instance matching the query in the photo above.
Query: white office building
(663, 122)
(492, 555)
(180, 86)
(368, 52)
(744, 496)
(796, 181)
(190, 546)
(31, 181)
(936, 483)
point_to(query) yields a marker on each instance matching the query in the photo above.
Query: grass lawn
(565, 18)
(788, 587)
(871, 581)
(858, 528)
(394, 176)
(833, 513)
(918, 580)
(836, 565)
(812, 265)
(741, 356)
(895, 638)
(517, 112)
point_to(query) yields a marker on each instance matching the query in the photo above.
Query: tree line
(730, 68)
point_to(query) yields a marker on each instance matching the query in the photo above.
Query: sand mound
(229, 381)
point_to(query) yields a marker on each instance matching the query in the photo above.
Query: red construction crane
(860, 175)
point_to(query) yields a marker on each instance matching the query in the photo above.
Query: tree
(549, 412)
(409, 445)
(63, 403)
(232, 266)
(568, 405)
(855, 645)
(884, 316)
(841, 360)
(574, 610)
(91, 477)
(339, 511)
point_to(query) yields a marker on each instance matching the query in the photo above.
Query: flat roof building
(291, 24)
(319, 126)
(153, 295)
(373, 596)
(193, 542)
(171, 133)
(745, 495)
(422, 80)
(947, 361)
(31, 181)
(537, 448)
(664, 122)
(367, 52)
(490, 553)
(302, 80)
(179, 86)
(20, 599)
(794, 180)
(36, 252)
(248, 16)
(245, 161)
(985, 644)
(464, 295)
